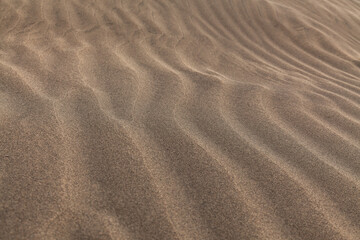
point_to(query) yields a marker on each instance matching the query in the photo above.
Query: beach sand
(180, 119)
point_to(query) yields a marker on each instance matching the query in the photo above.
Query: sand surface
(187, 119)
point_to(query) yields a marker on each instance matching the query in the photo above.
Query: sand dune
(187, 119)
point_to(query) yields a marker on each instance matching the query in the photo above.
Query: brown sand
(188, 119)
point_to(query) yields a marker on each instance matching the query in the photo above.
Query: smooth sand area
(179, 119)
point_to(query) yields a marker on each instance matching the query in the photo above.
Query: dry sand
(188, 119)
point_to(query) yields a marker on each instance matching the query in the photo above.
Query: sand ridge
(185, 119)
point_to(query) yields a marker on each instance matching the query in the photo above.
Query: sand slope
(188, 119)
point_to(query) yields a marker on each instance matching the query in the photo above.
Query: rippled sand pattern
(187, 119)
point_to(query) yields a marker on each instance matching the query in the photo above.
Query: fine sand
(186, 119)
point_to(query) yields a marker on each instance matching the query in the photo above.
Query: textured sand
(188, 119)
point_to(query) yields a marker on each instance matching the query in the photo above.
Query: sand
(187, 119)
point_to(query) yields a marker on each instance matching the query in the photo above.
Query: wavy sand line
(179, 119)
